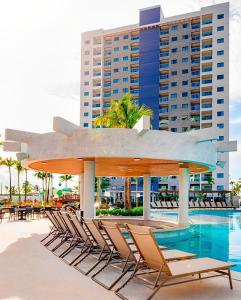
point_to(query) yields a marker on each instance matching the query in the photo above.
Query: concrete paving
(28, 271)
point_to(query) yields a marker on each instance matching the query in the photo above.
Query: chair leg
(230, 279)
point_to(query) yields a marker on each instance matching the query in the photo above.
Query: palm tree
(41, 176)
(9, 163)
(123, 113)
(19, 168)
(65, 178)
(26, 184)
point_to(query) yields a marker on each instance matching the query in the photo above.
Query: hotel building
(178, 66)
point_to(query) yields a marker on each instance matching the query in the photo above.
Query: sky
(40, 58)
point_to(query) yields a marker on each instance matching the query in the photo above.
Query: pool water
(221, 240)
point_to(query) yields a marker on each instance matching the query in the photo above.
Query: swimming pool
(220, 240)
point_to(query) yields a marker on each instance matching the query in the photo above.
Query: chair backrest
(12, 210)
(52, 220)
(148, 247)
(95, 233)
(72, 230)
(118, 240)
(60, 221)
(79, 228)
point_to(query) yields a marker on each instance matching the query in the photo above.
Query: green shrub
(136, 211)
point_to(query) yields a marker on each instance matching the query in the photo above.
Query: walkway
(29, 272)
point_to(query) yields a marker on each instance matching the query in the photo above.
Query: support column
(81, 190)
(89, 189)
(146, 196)
(184, 184)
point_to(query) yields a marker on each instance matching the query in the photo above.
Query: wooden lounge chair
(152, 260)
(126, 256)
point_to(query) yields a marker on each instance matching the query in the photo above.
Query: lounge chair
(99, 248)
(152, 260)
(125, 255)
(55, 230)
(65, 232)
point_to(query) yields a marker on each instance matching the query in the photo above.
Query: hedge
(136, 211)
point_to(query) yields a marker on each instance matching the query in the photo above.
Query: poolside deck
(30, 272)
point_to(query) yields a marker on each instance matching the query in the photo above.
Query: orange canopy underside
(117, 166)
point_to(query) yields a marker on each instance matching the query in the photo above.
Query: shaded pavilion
(140, 151)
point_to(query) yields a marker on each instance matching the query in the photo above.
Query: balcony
(134, 70)
(107, 84)
(163, 99)
(196, 26)
(135, 81)
(207, 57)
(164, 76)
(134, 92)
(96, 95)
(207, 33)
(163, 110)
(206, 117)
(107, 63)
(195, 61)
(96, 74)
(207, 93)
(95, 116)
(205, 46)
(135, 38)
(207, 21)
(97, 84)
(208, 69)
(195, 96)
(162, 66)
(107, 74)
(97, 64)
(196, 49)
(195, 107)
(108, 53)
(207, 105)
(195, 37)
(195, 84)
(164, 88)
(133, 59)
(194, 73)
(96, 105)
(107, 95)
(134, 48)
(163, 32)
(106, 105)
(164, 44)
(164, 54)
(206, 81)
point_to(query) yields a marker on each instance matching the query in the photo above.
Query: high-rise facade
(178, 66)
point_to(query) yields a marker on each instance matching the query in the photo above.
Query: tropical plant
(123, 113)
(65, 178)
(27, 187)
(19, 168)
(236, 188)
(210, 179)
(44, 177)
(9, 163)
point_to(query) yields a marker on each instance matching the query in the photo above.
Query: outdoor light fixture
(136, 158)
(79, 158)
(43, 162)
(180, 163)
